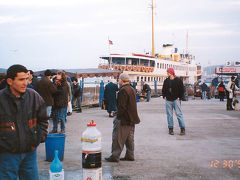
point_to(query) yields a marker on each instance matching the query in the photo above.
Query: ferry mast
(153, 49)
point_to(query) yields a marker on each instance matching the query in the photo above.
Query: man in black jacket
(77, 92)
(23, 126)
(173, 91)
(147, 89)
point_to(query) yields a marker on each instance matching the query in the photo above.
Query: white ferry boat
(144, 67)
(141, 67)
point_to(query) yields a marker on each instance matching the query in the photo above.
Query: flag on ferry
(110, 42)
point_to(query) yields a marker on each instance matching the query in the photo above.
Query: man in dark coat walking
(110, 96)
(46, 89)
(77, 92)
(204, 90)
(124, 122)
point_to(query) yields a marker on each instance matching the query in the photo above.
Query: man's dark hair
(31, 72)
(75, 79)
(47, 73)
(54, 73)
(232, 78)
(14, 69)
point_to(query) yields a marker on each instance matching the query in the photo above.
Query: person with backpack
(221, 91)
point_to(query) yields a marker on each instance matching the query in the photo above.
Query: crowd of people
(61, 94)
(26, 105)
(227, 91)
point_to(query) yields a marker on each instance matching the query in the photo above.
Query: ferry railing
(93, 93)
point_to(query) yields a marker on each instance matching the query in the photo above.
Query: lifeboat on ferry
(134, 68)
(115, 67)
(129, 68)
(123, 68)
(147, 69)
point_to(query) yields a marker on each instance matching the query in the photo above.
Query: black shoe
(182, 132)
(171, 131)
(126, 159)
(110, 159)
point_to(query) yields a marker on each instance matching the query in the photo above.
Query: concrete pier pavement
(210, 150)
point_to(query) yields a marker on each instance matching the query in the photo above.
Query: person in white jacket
(231, 88)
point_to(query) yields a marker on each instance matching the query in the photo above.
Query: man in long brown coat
(124, 123)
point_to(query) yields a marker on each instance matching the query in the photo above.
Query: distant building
(3, 71)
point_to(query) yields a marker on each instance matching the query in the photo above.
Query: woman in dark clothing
(221, 91)
(110, 96)
(60, 102)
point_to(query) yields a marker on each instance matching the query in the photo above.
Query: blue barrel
(55, 142)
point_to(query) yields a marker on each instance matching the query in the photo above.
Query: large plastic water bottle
(56, 171)
(91, 153)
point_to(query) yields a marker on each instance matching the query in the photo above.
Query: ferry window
(165, 66)
(118, 60)
(141, 78)
(157, 65)
(132, 61)
(152, 63)
(129, 61)
(143, 62)
(149, 79)
(145, 78)
(137, 79)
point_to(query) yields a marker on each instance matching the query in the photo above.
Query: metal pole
(153, 49)
(82, 85)
(101, 93)
(155, 87)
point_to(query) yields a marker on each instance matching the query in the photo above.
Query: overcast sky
(44, 34)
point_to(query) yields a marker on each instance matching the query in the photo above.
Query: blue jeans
(59, 114)
(49, 110)
(22, 165)
(174, 105)
(148, 96)
(204, 93)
